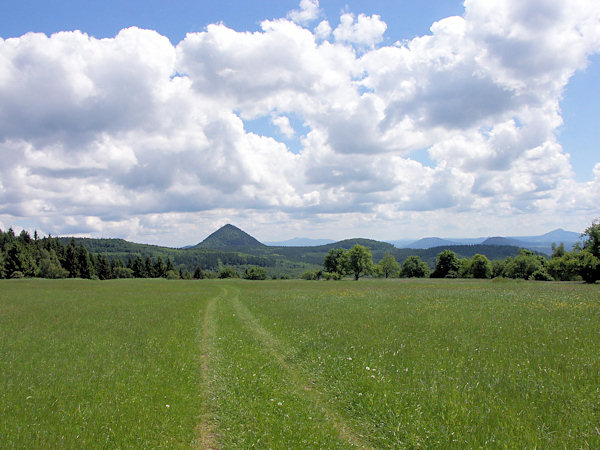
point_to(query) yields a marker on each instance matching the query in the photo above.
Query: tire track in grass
(300, 382)
(207, 438)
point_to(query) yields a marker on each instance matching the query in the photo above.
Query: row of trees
(47, 257)
(582, 263)
(26, 256)
(358, 261)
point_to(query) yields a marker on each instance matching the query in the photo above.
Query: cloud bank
(134, 137)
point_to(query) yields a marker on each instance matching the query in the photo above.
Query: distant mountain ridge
(542, 243)
(300, 242)
(431, 242)
(499, 240)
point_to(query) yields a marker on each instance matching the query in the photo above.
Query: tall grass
(374, 363)
(88, 364)
(438, 363)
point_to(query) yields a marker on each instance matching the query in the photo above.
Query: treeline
(48, 257)
(186, 259)
(582, 263)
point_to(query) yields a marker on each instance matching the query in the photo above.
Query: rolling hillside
(230, 245)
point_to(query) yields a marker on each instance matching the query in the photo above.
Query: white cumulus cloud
(362, 30)
(132, 135)
(309, 11)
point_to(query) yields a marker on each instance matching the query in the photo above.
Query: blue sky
(410, 123)
(175, 19)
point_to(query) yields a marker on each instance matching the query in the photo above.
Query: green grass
(86, 363)
(377, 363)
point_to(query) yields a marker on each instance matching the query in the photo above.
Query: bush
(255, 273)
(541, 275)
(498, 268)
(524, 265)
(332, 276)
(47, 269)
(17, 274)
(228, 272)
(122, 272)
(312, 275)
(171, 275)
(564, 267)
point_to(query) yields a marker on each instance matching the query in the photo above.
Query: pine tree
(103, 268)
(198, 273)
(160, 270)
(149, 268)
(71, 261)
(139, 271)
(84, 261)
(169, 264)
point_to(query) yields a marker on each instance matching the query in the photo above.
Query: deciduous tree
(389, 265)
(360, 261)
(336, 262)
(481, 267)
(447, 265)
(413, 267)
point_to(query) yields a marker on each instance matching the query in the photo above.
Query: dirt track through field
(300, 382)
(207, 438)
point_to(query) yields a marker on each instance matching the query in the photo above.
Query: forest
(231, 253)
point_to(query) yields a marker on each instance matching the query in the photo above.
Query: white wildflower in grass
(168, 406)
(368, 368)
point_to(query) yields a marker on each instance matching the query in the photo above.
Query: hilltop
(232, 238)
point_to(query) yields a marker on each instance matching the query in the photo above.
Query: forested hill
(230, 246)
(230, 237)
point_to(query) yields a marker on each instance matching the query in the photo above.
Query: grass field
(396, 363)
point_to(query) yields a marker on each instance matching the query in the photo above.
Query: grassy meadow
(235, 364)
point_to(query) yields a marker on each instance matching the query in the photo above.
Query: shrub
(541, 275)
(312, 275)
(228, 272)
(122, 272)
(171, 275)
(255, 273)
(332, 276)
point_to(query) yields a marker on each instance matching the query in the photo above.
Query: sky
(160, 121)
